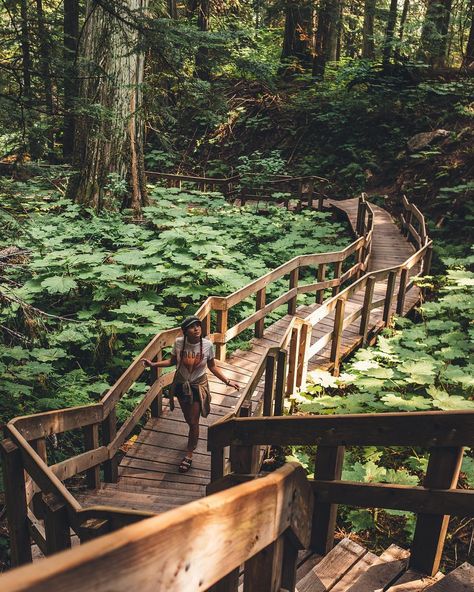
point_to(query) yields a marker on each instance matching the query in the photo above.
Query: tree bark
(108, 151)
(401, 30)
(202, 56)
(326, 36)
(45, 63)
(172, 9)
(468, 61)
(70, 40)
(368, 45)
(434, 34)
(389, 33)
(297, 38)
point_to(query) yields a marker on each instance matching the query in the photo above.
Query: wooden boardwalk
(148, 475)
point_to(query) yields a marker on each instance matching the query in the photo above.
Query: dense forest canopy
(370, 95)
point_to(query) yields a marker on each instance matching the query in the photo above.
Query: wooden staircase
(349, 567)
(372, 279)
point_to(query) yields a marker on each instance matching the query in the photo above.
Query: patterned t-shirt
(190, 365)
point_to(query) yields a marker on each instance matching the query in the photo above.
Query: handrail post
(91, 442)
(259, 304)
(294, 274)
(244, 459)
(310, 193)
(156, 406)
(109, 431)
(262, 572)
(443, 470)
(292, 361)
(337, 275)
(366, 308)
(360, 216)
(328, 466)
(427, 260)
(15, 501)
(206, 325)
(321, 277)
(222, 316)
(269, 388)
(303, 347)
(401, 291)
(337, 335)
(387, 307)
(280, 382)
(56, 524)
(217, 464)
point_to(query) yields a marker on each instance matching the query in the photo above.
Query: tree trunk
(326, 36)
(297, 39)
(26, 72)
(172, 9)
(468, 61)
(45, 62)
(351, 34)
(401, 31)
(435, 32)
(368, 45)
(108, 151)
(389, 33)
(202, 56)
(71, 36)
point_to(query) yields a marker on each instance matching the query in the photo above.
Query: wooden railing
(43, 494)
(303, 189)
(443, 433)
(260, 525)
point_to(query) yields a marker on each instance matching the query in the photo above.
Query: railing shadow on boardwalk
(46, 511)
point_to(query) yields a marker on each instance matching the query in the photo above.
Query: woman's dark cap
(188, 321)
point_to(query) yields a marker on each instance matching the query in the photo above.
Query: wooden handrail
(229, 528)
(444, 433)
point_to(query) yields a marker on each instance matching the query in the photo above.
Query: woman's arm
(211, 364)
(161, 364)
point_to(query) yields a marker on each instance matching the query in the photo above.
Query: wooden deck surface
(148, 474)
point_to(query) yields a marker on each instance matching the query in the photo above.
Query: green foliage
(107, 286)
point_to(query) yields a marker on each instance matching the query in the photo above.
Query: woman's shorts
(186, 398)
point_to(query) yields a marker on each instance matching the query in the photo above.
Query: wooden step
(412, 581)
(459, 580)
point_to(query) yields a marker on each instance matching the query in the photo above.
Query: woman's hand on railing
(147, 363)
(233, 385)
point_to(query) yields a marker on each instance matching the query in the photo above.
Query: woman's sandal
(185, 465)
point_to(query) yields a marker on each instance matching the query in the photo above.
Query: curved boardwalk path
(148, 475)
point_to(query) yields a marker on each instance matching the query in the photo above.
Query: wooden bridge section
(354, 294)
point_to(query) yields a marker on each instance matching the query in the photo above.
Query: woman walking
(192, 354)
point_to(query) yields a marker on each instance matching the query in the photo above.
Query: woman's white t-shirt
(191, 365)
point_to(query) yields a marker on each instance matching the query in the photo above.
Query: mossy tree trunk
(108, 148)
(434, 34)
(297, 39)
(368, 44)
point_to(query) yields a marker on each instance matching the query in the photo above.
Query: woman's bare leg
(191, 412)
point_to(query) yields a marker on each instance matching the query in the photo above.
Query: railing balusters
(392, 280)
(337, 275)
(91, 442)
(337, 335)
(56, 524)
(321, 278)
(328, 467)
(222, 319)
(15, 501)
(294, 274)
(259, 304)
(280, 382)
(109, 431)
(443, 470)
(269, 388)
(156, 406)
(289, 565)
(292, 361)
(402, 290)
(303, 347)
(263, 570)
(366, 308)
